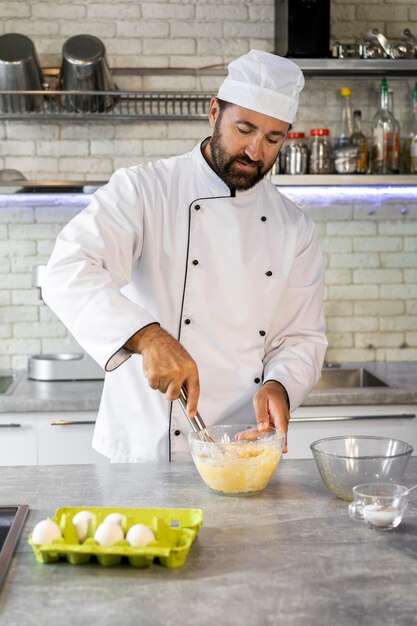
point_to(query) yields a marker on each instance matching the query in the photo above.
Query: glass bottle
(359, 140)
(413, 143)
(344, 150)
(383, 125)
(395, 154)
(320, 158)
(345, 131)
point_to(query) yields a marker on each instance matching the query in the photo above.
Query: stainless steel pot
(84, 68)
(19, 71)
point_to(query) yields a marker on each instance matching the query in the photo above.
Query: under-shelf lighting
(373, 192)
(304, 194)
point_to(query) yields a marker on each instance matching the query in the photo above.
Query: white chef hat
(265, 83)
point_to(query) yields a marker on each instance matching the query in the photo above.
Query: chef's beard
(225, 164)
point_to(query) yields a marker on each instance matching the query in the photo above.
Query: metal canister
(84, 68)
(296, 154)
(20, 70)
(321, 154)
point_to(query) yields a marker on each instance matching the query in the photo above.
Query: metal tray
(12, 520)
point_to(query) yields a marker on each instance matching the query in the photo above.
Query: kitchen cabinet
(317, 422)
(18, 439)
(66, 439)
(48, 439)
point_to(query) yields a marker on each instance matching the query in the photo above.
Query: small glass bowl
(232, 466)
(379, 505)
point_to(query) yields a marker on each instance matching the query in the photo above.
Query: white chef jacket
(238, 280)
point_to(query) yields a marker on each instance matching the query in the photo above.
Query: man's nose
(254, 149)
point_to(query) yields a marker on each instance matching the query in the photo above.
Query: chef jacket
(237, 278)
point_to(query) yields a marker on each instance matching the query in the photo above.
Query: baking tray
(175, 530)
(12, 520)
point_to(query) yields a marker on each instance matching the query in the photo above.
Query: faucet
(38, 273)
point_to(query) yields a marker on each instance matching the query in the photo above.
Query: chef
(195, 270)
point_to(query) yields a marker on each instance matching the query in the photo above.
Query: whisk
(196, 422)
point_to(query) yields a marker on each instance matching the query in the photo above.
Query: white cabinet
(66, 438)
(311, 423)
(18, 439)
(48, 438)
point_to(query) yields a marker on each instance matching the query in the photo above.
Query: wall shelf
(35, 187)
(113, 106)
(360, 68)
(329, 180)
(52, 104)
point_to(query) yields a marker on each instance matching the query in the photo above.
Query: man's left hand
(271, 408)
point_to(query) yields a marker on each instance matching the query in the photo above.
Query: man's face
(244, 144)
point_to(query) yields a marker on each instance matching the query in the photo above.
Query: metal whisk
(196, 422)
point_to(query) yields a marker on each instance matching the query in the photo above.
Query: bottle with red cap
(295, 154)
(321, 153)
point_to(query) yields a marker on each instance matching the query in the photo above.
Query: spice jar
(320, 161)
(296, 154)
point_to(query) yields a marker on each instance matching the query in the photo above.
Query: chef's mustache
(247, 161)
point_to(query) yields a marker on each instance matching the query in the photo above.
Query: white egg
(82, 522)
(108, 533)
(46, 531)
(139, 535)
(114, 518)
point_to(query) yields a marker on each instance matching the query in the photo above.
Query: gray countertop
(29, 395)
(290, 555)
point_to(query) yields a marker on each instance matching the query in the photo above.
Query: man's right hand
(166, 364)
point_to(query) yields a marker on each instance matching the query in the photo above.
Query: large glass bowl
(233, 466)
(344, 462)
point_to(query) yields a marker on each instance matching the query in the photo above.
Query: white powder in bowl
(380, 516)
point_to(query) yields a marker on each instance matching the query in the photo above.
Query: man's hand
(166, 364)
(271, 408)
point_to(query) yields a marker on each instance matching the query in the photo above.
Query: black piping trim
(183, 294)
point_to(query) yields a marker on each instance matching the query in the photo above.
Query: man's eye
(273, 142)
(243, 131)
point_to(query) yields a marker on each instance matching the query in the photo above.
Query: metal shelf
(52, 104)
(281, 180)
(310, 67)
(351, 180)
(112, 106)
(358, 67)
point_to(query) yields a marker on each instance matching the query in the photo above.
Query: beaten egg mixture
(244, 469)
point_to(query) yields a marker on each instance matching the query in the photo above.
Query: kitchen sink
(8, 382)
(348, 379)
(5, 383)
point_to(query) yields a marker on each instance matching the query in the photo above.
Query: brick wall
(369, 242)
(370, 248)
(195, 33)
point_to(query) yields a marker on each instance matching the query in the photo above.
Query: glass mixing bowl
(233, 466)
(344, 462)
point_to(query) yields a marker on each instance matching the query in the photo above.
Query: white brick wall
(371, 293)
(371, 297)
(369, 244)
(167, 33)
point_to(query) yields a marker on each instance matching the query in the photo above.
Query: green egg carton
(174, 530)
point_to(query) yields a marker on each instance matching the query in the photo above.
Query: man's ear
(214, 111)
